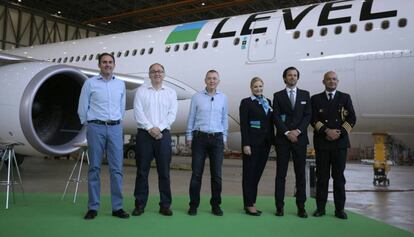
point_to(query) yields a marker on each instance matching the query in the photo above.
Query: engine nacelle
(38, 107)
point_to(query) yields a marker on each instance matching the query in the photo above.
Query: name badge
(303, 102)
(255, 124)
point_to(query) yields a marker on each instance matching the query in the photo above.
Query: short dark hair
(288, 69)
(105, 54)
(212, 71)
(149, 69)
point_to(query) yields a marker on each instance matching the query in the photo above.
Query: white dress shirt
(294, 91)
(155, 108)
(333, 94)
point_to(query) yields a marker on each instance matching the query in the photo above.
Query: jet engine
(38, 104)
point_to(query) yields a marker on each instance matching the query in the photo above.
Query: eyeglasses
(156, 72)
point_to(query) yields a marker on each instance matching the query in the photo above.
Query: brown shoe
(137, 211)
(166, 211)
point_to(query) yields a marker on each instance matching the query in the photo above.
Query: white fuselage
(375, 67)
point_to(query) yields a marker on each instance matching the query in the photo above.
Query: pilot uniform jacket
(287, 119)
(336, 114)
(255, 125)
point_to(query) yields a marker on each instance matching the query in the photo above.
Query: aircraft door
(262, 46)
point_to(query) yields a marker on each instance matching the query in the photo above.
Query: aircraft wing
(132, 82)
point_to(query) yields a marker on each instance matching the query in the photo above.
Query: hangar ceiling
(129, 15)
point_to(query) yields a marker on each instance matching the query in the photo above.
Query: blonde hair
(254, 80)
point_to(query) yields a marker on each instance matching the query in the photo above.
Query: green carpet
(47, 215)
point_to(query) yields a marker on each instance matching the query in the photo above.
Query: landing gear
(381, 166)
(380, 177)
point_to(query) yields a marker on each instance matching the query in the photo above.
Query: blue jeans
(103, 138)
(213, 146)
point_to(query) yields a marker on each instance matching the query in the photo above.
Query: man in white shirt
(155, 109)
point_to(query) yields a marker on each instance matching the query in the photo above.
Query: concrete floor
(393, 205)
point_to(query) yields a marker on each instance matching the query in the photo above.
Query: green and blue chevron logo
(185, 33)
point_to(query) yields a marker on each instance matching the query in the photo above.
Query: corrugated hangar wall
(21, 28)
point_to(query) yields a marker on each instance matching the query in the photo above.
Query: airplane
(368, 43)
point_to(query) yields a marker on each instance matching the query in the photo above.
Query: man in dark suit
(292, 114)
(333, 117)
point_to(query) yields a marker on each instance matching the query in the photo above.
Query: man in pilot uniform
(333, 117)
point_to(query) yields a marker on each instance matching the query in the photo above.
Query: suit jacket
(286, 118)
(336, 114)
(256, 126)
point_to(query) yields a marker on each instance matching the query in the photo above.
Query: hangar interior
(25, 23)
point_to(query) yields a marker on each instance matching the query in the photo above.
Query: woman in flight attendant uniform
(257, 133)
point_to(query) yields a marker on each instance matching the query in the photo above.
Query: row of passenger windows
(352, 28)
(296, 35)
(96, 56)
(134, 52)
(186, 46)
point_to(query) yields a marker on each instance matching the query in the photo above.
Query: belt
(207, 134)
(108, 122)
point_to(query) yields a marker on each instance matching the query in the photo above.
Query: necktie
(330, 96)
(262, 100)
(292, 98)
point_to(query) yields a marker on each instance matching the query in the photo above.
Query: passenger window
(176, 47)
(71, 59)
(167, 48)
(65, 60)
(324, 31)
(402, 22)
(126, 53)
(77, 58)
(195, 45)
(150, 50)
(309, 33)
(90, 57)
(134, 52)
(59, 60)
(236, 41)
(385, 25)
(369, 26)
(205, 44)
(118, 54)
(185, 47)
(84, 57)
(296, 34)
(353, 28)
(338, 30)
(54, 60)
(215, 43)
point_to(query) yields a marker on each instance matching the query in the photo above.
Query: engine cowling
(38, 107)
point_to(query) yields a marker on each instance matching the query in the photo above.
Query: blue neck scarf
(263, 101)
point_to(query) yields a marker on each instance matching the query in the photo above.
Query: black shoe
(192, 211)
(138, 211)
(319, 213)
(256, 213)
(302, 213)
(279, 212)
(341, 214)
(166, 211)
(120, 213)
(217, 211)
(252, 213)
(91, 214)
